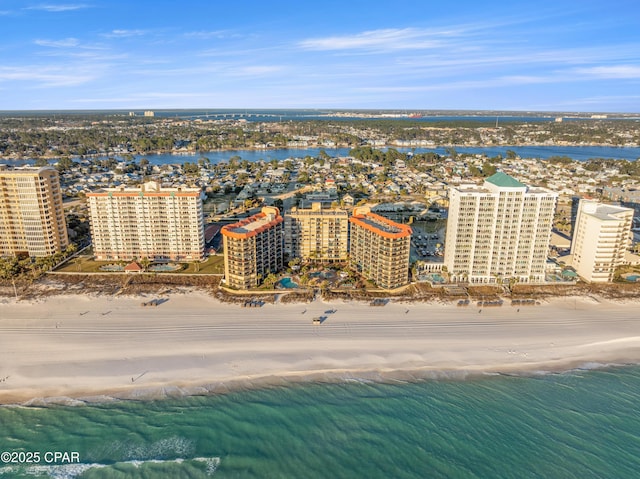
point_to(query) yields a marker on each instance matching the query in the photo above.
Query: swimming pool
(287, 283)
(112, 268)
(433, 278)
(165, 267)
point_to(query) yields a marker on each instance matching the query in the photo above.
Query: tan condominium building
(379, 248)
(148, 221)
(498, 231)
(600, 240)
(253, 248)
(317, 234)
(31, 214)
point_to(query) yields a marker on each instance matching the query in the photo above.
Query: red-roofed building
(253, 248)
(133, 267)
(380, 248)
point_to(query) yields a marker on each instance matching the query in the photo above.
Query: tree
(145, 262)
(451, 152)
(64, 164)
(190, 169)
(488, 169)
(270, 280)
(204, 162)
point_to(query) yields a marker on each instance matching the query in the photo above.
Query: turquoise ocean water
(578, 424)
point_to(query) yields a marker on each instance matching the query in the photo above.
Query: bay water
(579, 153)
(577, 424)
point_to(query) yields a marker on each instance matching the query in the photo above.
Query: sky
(561, 55)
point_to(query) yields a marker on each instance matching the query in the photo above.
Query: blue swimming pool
(287, 283)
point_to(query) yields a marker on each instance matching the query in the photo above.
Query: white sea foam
(72, 471)
(132, 451)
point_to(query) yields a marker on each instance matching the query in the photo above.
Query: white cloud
(43, 76)
(601, 103)
(125, 33)
(206, 35)
(611, 72)
(58, 8)
(467, 36)
(385, 39)
(64, 43)
(137, 98)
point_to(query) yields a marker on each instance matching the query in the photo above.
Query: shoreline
(77, 349)
(307, 378)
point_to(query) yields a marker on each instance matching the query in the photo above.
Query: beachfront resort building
(31, 213)
(600, 240)
(148, 221)
(379, 248)
(253, 248)
(317, 233)
(499, 231)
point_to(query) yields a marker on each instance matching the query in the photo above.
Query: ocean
(578, 424)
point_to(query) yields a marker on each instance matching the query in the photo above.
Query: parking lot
(427, 241)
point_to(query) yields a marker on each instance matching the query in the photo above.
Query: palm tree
(145, 262)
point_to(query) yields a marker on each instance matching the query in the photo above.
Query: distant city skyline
(493, 55)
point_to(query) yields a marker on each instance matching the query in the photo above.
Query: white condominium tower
(379, 248)
(147, 222)
(600, 240)
(31, 214)
(320, 234)
(253, 248)
(498, 231)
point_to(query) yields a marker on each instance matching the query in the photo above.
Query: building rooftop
(317, 209)
(150, 188)
(504, 181)
(25, 170)
(381, 225)
(253, 225)
(605, 212)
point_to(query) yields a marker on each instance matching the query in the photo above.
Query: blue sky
(541, 55)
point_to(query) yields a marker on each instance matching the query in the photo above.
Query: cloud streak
(384, 39)
(620, 72)
(64, 43)
(58, 8)
(48, 77)
(125, 33)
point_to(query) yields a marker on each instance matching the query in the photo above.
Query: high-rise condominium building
(147, 222)
(316, 233)
(600, 240)
(379, 248)
(31, 214)
(253, 248)
(498, 231)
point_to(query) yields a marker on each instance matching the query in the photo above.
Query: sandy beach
(98, 348)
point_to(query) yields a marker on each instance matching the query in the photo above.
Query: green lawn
(85, 264)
